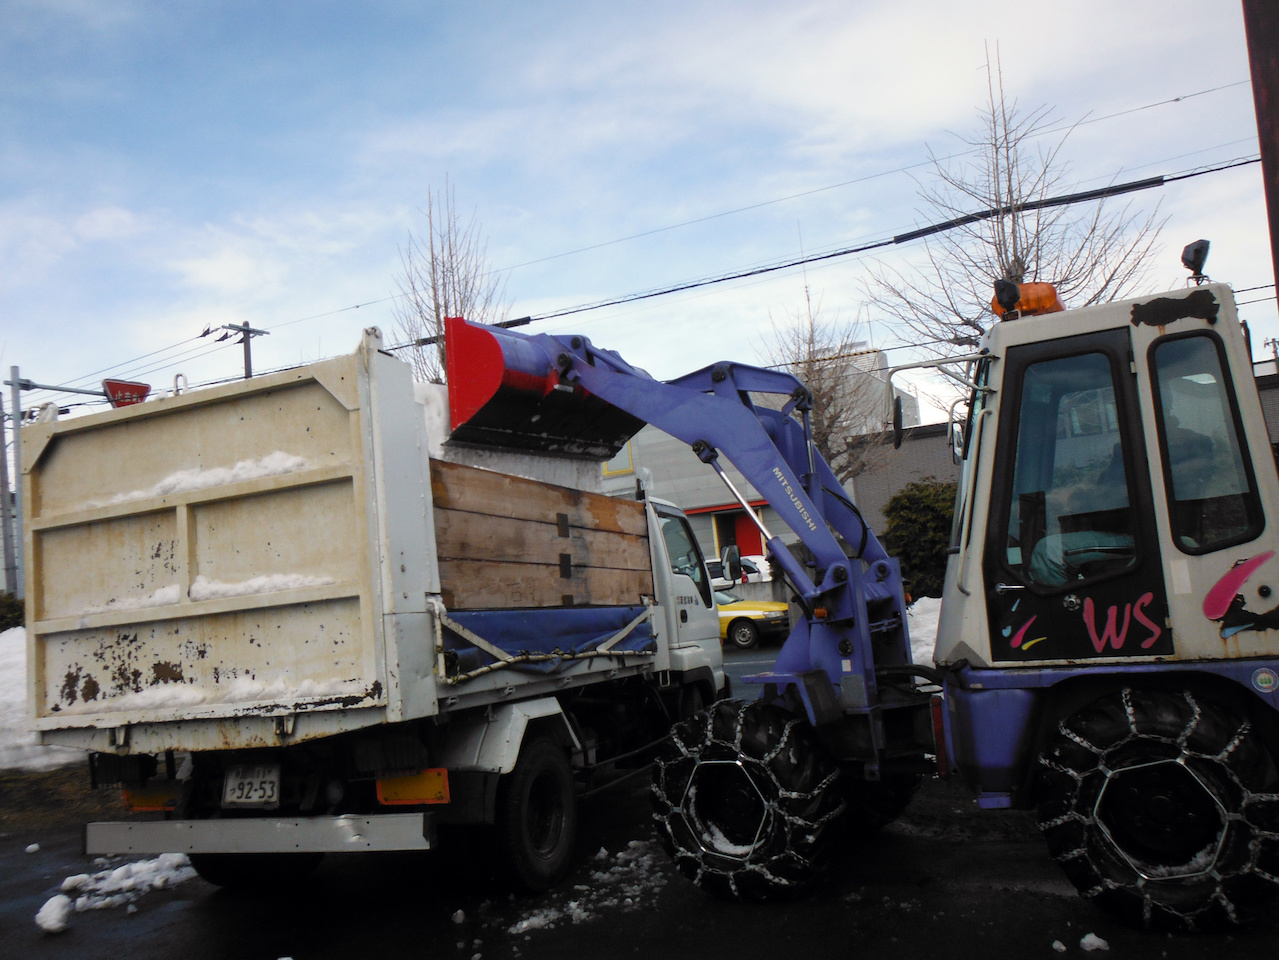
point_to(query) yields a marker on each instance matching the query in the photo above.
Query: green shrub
(918, 533)
(10, 611)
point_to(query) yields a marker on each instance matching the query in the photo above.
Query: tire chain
(796, 856)
(1261, 805)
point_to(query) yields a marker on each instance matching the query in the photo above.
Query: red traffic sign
(122, 393)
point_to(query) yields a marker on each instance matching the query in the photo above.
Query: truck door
(696, 618)
(1072, 566)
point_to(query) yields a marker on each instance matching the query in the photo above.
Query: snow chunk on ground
(1091, 942)
(921, 620)
(202, 588)
(18, 746)
(630, 880)
(1059, 946)
(115, 887)
(272, 465)
(53, 916)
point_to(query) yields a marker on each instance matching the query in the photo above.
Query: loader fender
(490, 741)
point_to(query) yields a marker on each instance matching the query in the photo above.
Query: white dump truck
(288, 616)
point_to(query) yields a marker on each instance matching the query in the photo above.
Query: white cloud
(107, 223)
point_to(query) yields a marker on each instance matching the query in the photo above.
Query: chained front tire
(1161, 808)
(746, 800)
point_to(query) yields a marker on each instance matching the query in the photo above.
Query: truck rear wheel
(537, 815)
(249, 871)
(746, 800)
(1161, 808)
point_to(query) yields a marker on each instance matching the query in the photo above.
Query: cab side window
(1212, 492)
(686, 556)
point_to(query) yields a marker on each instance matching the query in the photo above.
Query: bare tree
(444, 273)
(830, 359)
(1090, 257)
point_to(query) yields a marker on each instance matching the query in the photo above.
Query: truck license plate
(257, 786)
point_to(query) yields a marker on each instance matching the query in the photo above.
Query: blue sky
(169, 165)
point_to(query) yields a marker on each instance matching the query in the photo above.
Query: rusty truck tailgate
(206, 556)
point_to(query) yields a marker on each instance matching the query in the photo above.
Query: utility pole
(1261, 30)
(6, 508)
(15, 406)
(248, 334)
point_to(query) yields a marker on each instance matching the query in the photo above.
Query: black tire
(743, 634)
(692, 701)
(1161, 809)
(537, 816)
(747, 801)
(874, 804)
(253, 871)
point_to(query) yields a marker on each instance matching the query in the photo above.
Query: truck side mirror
(956, 442)
(731, 562)
(897, 423)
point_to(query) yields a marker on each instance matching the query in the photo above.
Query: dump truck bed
(257, 563)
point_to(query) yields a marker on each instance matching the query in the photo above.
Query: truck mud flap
(391, 831)
(504, 391)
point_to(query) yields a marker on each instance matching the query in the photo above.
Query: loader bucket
(505, 391)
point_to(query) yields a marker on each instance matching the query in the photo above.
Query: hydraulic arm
(548, 392)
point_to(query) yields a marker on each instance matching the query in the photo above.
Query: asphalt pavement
(945, 881)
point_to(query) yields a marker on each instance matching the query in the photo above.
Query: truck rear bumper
(391, 831)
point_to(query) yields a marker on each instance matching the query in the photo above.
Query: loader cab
(1071, 539)
(1109, 490)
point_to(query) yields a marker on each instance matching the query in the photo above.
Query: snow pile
(272, 465)
(921, 620)
(202, 588)
(234, 690)
(115, 887)
(160, 697)
(18, 747)
(161, 597)
(628, 881)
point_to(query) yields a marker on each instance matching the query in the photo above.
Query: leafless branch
(943, 299)
(444, 273)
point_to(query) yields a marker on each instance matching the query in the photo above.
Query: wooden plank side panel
(506, 542)
(474, 536)
(470, 489)
(485, 585)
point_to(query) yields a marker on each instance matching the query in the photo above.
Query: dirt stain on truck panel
(162, 672)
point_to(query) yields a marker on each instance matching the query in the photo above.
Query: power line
(1100, 193)
(864, 179)
(656, 230)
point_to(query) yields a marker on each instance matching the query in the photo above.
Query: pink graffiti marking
(1156, 631)
(1217, 600)
(1021, 633)
(1108, 633)
(1112, 633)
